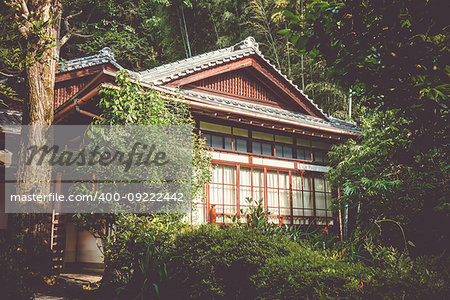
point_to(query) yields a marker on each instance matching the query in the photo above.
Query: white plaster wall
(88, 246)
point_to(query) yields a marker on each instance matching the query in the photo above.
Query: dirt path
(69, 286)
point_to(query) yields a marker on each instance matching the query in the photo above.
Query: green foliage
(394, 55)
(145, 34)
(15, 279)
(153, 259)
(130, 104)
(239, 262)
(25, 255)
(214, 263)
(306, 274)
(257, 217)
(382, 177)
(136, 253)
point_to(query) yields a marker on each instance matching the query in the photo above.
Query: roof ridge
(249, 42)
(105, 55)
(246, 47)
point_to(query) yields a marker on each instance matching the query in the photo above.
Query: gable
(249, 79)
(242, 85)
(244, 54)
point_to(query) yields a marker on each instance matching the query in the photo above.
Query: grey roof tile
(104, 56)
(247, 47)
(168, 72)
(300, 118)
(8, 120)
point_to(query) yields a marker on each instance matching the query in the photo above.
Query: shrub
(307, 274)
(136, 239)
(149, 257)
(14, 278)
(215, 263)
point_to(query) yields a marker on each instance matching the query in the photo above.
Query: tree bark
(43, 54)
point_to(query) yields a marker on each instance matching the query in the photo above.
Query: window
(320, 155)
(240, 144)
(278, 196)
(263, 143)
(251, 186)
(309, 193)
(323, 197)
(262, 148)
(283, 151)
(223, 192)
(303, 153)
(217, 141)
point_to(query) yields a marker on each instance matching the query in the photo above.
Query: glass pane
(283, 180)
(283, 139)
(320, 200)
(256, 147)
(287, 151)
(240, 131)
(258, 178)
(303, 142)
(228, 143)
(279, 150)
(328, 186)
(329, 212)
(297, 201)
(302, 154)
(319, 184)
(285, 201)
(215, 127)
(240, 145)
(325, 158)
(308, 203)
(266, 149)
(217, 141)
(318, 156)
(272, 179)
(296, 182)
(208, 139)
(307, 182)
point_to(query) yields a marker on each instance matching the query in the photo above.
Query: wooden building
(269, 140)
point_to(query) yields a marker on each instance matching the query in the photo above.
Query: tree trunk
(43, 52)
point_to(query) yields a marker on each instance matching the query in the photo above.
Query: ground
(70, 286)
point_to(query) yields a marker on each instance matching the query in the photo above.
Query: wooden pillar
(207, 201)
(291, 200)
(266, 200)
(238, 190)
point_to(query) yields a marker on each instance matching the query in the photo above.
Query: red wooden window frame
(314, 219)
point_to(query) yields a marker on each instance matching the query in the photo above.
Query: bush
(127, 251)
(14, 278)
(215, 263)
(307, 274)
(151, 258)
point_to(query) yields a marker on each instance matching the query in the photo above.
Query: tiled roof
(104, 56)
(171, 71)
(175, 70)
(253, 108)
(9, 118)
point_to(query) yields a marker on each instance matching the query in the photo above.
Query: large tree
(394, 55)
(31, 43)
